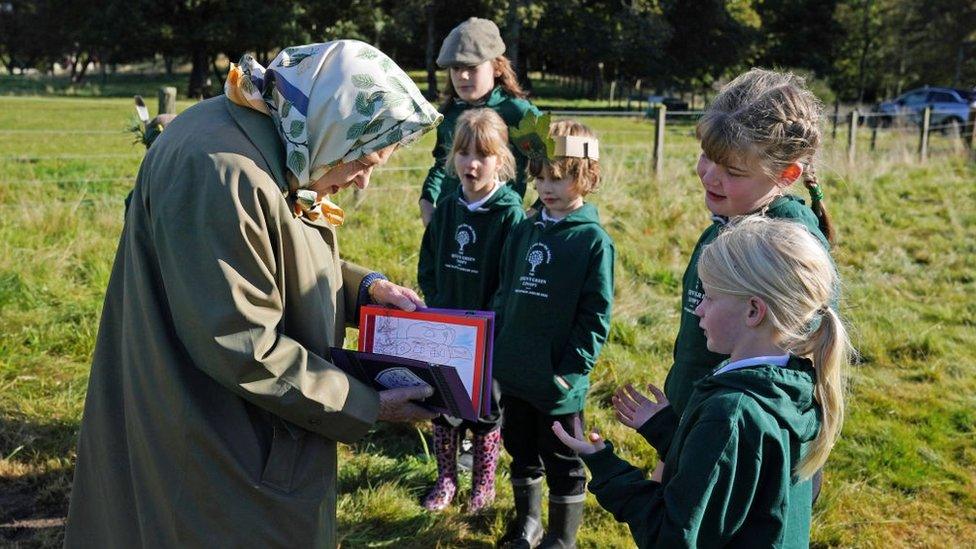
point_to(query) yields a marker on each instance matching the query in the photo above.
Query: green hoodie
(461, 249)
(692, 359)
(728, 474)
(439, 183)
(553, 309)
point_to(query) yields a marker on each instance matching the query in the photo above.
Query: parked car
(950, 107)
(672, 103)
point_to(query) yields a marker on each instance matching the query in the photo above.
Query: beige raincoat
(212, 412)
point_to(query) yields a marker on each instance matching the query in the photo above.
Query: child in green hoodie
(458, 269)
(479, 76)
(738, 464)
(758, 137)
(553, 315)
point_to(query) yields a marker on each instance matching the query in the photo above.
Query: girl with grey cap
(480, 76)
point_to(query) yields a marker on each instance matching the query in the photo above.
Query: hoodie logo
(464, 235)
(539, 254)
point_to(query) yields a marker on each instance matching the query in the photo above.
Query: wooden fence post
(659, 122)
(167, 100)
(833, 132)
(970, 135)
(923, 137)
(874, 134)
(852, 135)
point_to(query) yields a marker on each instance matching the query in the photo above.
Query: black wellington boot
(564, 522)
(526, 531)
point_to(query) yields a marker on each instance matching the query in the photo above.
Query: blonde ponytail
(830, 349)
(781, 262)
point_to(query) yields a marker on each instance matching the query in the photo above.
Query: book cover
(458, 339)
(390, 372)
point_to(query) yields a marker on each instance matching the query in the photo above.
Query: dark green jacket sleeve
(659, 430)
(504, 282)
(703, 503)
(426, 268)
(622, 489)
(591, 324)
(433, 185)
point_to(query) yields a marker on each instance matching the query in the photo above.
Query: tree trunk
(199, 71)
(429, 11)
(596, 84)
(79, 75)
(862, 64)
(168, 63)
(218, 76)
(523, 71)
(513, 24)
(74, 66)
(960, 56)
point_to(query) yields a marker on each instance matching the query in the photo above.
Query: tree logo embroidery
(463, 236)
(538, 254)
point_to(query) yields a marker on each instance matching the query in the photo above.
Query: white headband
(577, 147)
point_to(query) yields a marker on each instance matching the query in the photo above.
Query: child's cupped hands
(592, 443)
(633, 409)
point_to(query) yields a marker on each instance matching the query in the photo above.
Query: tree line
(864, 49)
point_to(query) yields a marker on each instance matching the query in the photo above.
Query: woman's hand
(633, 408)
(592, 444)
(426, 211)
(384, 292)
(396, 405)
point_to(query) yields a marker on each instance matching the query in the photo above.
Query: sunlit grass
(903, 473)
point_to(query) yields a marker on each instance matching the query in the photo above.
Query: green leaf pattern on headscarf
(338, 101)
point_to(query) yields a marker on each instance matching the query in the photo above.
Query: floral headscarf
(331, 102)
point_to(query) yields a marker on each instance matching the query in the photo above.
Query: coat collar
(259, 128)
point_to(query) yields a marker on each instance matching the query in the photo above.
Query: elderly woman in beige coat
(213, 410)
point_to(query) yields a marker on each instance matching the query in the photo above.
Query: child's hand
(633, 408)
(592, 444)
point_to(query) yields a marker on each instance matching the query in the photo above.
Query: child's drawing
(435, 342)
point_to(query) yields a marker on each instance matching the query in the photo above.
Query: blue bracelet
(368, 281)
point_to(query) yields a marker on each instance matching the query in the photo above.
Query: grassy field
(904, 473)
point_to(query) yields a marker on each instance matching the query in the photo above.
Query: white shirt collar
(548, 218)
(775, 360)
(479, 203)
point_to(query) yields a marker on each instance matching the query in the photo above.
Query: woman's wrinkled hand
(396, 405)
(633, 409)
(384, 292)
(591, 444)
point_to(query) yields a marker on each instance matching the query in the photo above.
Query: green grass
(904, 473)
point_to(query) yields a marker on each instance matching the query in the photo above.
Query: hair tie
(824, 309)
(816, 192)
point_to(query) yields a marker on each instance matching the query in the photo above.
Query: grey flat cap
(471, 43)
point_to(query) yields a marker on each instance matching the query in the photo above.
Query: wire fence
(898, 132)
